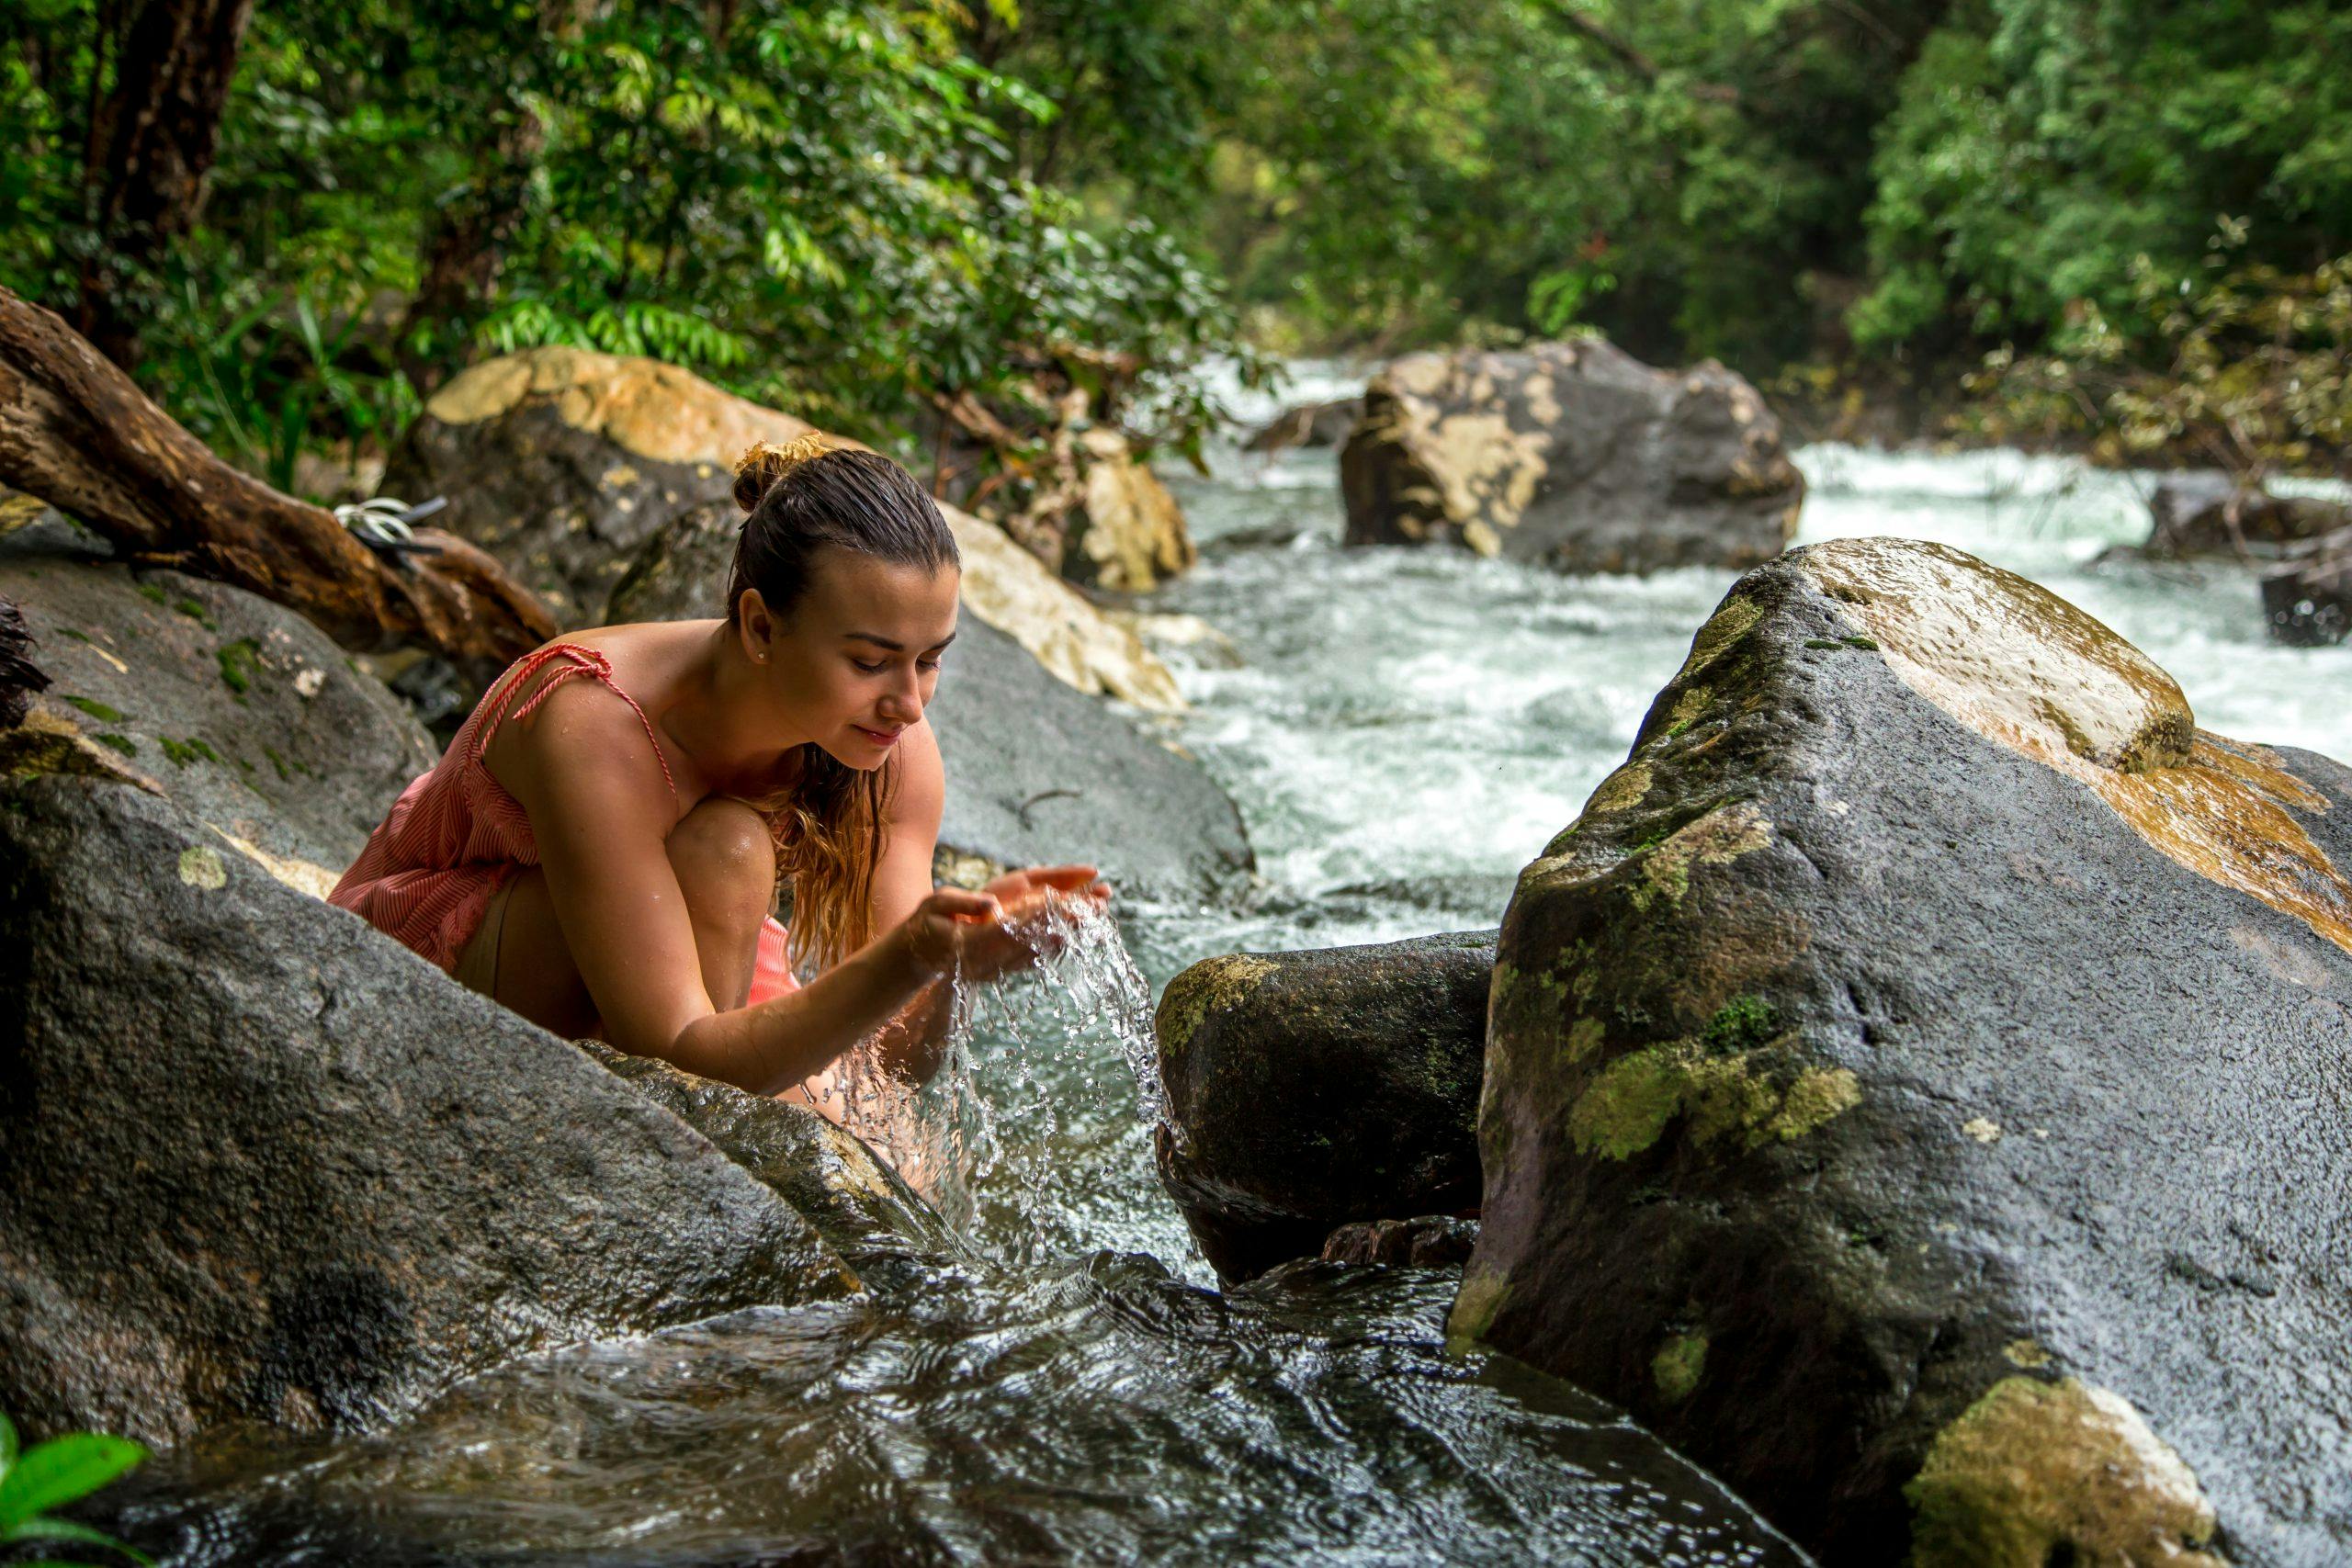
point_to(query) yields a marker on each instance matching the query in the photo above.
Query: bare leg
(726, 869)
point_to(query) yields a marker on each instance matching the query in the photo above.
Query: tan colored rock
(563, 462)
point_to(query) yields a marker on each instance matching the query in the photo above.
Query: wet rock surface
(1310, 1090)
(1426, 1241)
(2308, 599)
(237, 709)
(1037, 774)
(863, 1209)
(1571, 454)
(565, 464)
(2201, 514)
(1913, 1087)
(267, 1163)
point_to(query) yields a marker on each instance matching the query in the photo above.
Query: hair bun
(759, 470)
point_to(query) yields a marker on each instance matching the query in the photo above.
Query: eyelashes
(876, 669)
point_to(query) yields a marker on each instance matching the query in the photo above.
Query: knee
(725, 861)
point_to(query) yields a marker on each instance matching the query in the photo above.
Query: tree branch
(75, 431)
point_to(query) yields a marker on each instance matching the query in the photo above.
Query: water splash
(1033, 1071)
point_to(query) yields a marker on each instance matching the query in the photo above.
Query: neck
(719, 720)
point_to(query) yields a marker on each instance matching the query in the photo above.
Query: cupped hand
(987, 934)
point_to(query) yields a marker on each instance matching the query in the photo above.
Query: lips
(879, 736)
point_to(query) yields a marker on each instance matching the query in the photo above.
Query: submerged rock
(2308, 599)
(1912, 1087)
(1099, 517)
(1306, 1091)
(2199, 514)
(564, 463)
(1426, 1241)
(1037, 774)
(237, 708)
(266, 1163)
(1572, 454)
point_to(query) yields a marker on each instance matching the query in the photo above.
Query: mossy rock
(1308, 1090)
(1911, 1087)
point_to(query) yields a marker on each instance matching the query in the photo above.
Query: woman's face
(859, 659)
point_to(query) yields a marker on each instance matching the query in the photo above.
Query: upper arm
(909, 828)
(601, 812)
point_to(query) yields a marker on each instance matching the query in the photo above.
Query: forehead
(849, 592)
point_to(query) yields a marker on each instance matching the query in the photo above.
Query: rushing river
(1403, 730)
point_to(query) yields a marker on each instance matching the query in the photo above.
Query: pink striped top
(455, 837)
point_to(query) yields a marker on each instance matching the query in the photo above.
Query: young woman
(599, 848)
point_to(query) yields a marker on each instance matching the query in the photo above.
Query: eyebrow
(894, 647)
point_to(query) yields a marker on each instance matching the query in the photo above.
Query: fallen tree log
(77, 432)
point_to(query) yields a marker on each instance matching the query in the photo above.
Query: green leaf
(62, 1470)
(81, 1534)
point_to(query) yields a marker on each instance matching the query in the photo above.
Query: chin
(856, 755)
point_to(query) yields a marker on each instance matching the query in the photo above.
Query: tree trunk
(151, 143)
(466, 248)
(76, 432)
(18, 679)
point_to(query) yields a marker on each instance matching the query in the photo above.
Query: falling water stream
(1402, 730)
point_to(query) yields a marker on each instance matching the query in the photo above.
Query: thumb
(962, 904)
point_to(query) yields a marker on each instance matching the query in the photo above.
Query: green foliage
(2232, 362)
(51, 1475)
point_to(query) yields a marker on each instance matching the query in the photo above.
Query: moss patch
(240, 665)
(1212, 983)
(2037, 1472)
(1478, 1304)
(182, 753)
(122, 743)
(1753, 1096)
(1677, 1368)
(1734, 619)
(1619, 790)
(96, 709)
(1723, 834)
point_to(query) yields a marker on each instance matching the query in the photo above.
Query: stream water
(1403, 730)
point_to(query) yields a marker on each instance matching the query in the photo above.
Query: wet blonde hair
(798, 497)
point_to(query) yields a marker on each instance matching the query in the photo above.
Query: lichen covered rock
(1573, 454)
(1910, 1086)
(266, 1162)
(1306, 1091)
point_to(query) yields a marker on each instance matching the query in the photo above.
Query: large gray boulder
(1914, 1087)
(238, 709)
(1037, 774)
(1308, 1090)
(1573, 454)
(266, 1162)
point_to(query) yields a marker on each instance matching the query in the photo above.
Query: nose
(904, 702)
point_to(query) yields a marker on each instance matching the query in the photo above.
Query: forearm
(913, 1044)
(770, 1047)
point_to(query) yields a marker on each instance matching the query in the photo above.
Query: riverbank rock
(1099, 516)
(1324, 423)
(1306, 1091)
(2198, 515)
(266, 1162)
(864, 1210)
(237, 708)
(1913, 1087)
(1037, 774)
(1573, 454)
(2308, 599)
(563, 463)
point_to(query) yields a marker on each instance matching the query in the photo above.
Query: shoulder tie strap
(583, 662)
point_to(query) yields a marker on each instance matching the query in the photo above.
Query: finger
(965, 905)
(1066, 878)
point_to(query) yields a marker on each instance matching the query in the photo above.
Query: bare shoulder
(580, 743)
(919, 794)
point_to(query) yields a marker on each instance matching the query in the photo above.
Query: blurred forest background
(2117, 223)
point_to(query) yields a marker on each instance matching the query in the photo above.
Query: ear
(755, 625)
